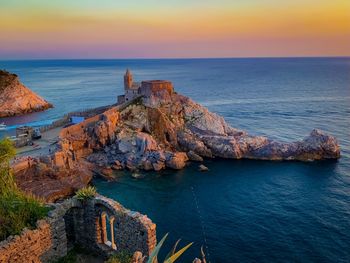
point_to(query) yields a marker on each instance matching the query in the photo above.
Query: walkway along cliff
(154, 129)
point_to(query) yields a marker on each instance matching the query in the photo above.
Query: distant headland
(16, 99)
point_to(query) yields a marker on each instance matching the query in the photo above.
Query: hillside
(17, 99)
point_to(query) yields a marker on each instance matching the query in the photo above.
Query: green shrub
(120, 257)
(7, 152)
(17, 209)
(86, 193)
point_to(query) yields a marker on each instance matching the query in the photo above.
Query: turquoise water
(244, 211)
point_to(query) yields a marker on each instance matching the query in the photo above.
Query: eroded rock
(203, 168)
(194, 157)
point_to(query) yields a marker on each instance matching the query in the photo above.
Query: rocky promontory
(158, 130)
(16, 99)
(166, 129)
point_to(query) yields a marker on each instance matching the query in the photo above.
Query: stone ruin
(99, 225)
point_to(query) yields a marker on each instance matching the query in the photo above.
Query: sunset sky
(173, 28)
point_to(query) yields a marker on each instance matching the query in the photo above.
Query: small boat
(2, 126)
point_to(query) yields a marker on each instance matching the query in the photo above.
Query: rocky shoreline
(16, 99)
(154, 132)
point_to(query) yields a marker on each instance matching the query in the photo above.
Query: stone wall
(93, 133)
(87, 113)
(47, 242)
(121, 99)
(86, 224)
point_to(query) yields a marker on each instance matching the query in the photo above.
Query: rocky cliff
(166, 129)
(16, 99)
(51, 177)
(162, 130)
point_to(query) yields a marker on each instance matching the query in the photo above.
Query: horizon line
(174, 58)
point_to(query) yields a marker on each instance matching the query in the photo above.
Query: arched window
(109, 229)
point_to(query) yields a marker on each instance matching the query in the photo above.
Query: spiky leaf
(155, 251)
(172, 251)
(177, 254)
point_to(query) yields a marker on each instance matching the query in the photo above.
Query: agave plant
(172, 255)
(86, 193)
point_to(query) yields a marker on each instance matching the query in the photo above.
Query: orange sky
(162, 29)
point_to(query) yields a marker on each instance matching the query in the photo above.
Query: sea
(240, 210)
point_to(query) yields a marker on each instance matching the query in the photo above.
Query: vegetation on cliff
(17, 209)
(6, 78)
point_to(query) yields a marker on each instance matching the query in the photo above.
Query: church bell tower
(128, 80)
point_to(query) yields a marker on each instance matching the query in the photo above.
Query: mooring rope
(201, 223)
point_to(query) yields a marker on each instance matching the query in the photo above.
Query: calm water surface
(240, 211)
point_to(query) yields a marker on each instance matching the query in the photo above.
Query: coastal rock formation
(16, 99)
(158, 130)
(164, 129)
(65, 170)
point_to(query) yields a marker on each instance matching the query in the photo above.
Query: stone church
(133, 90)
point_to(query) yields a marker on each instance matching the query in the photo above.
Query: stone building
(133, 90)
